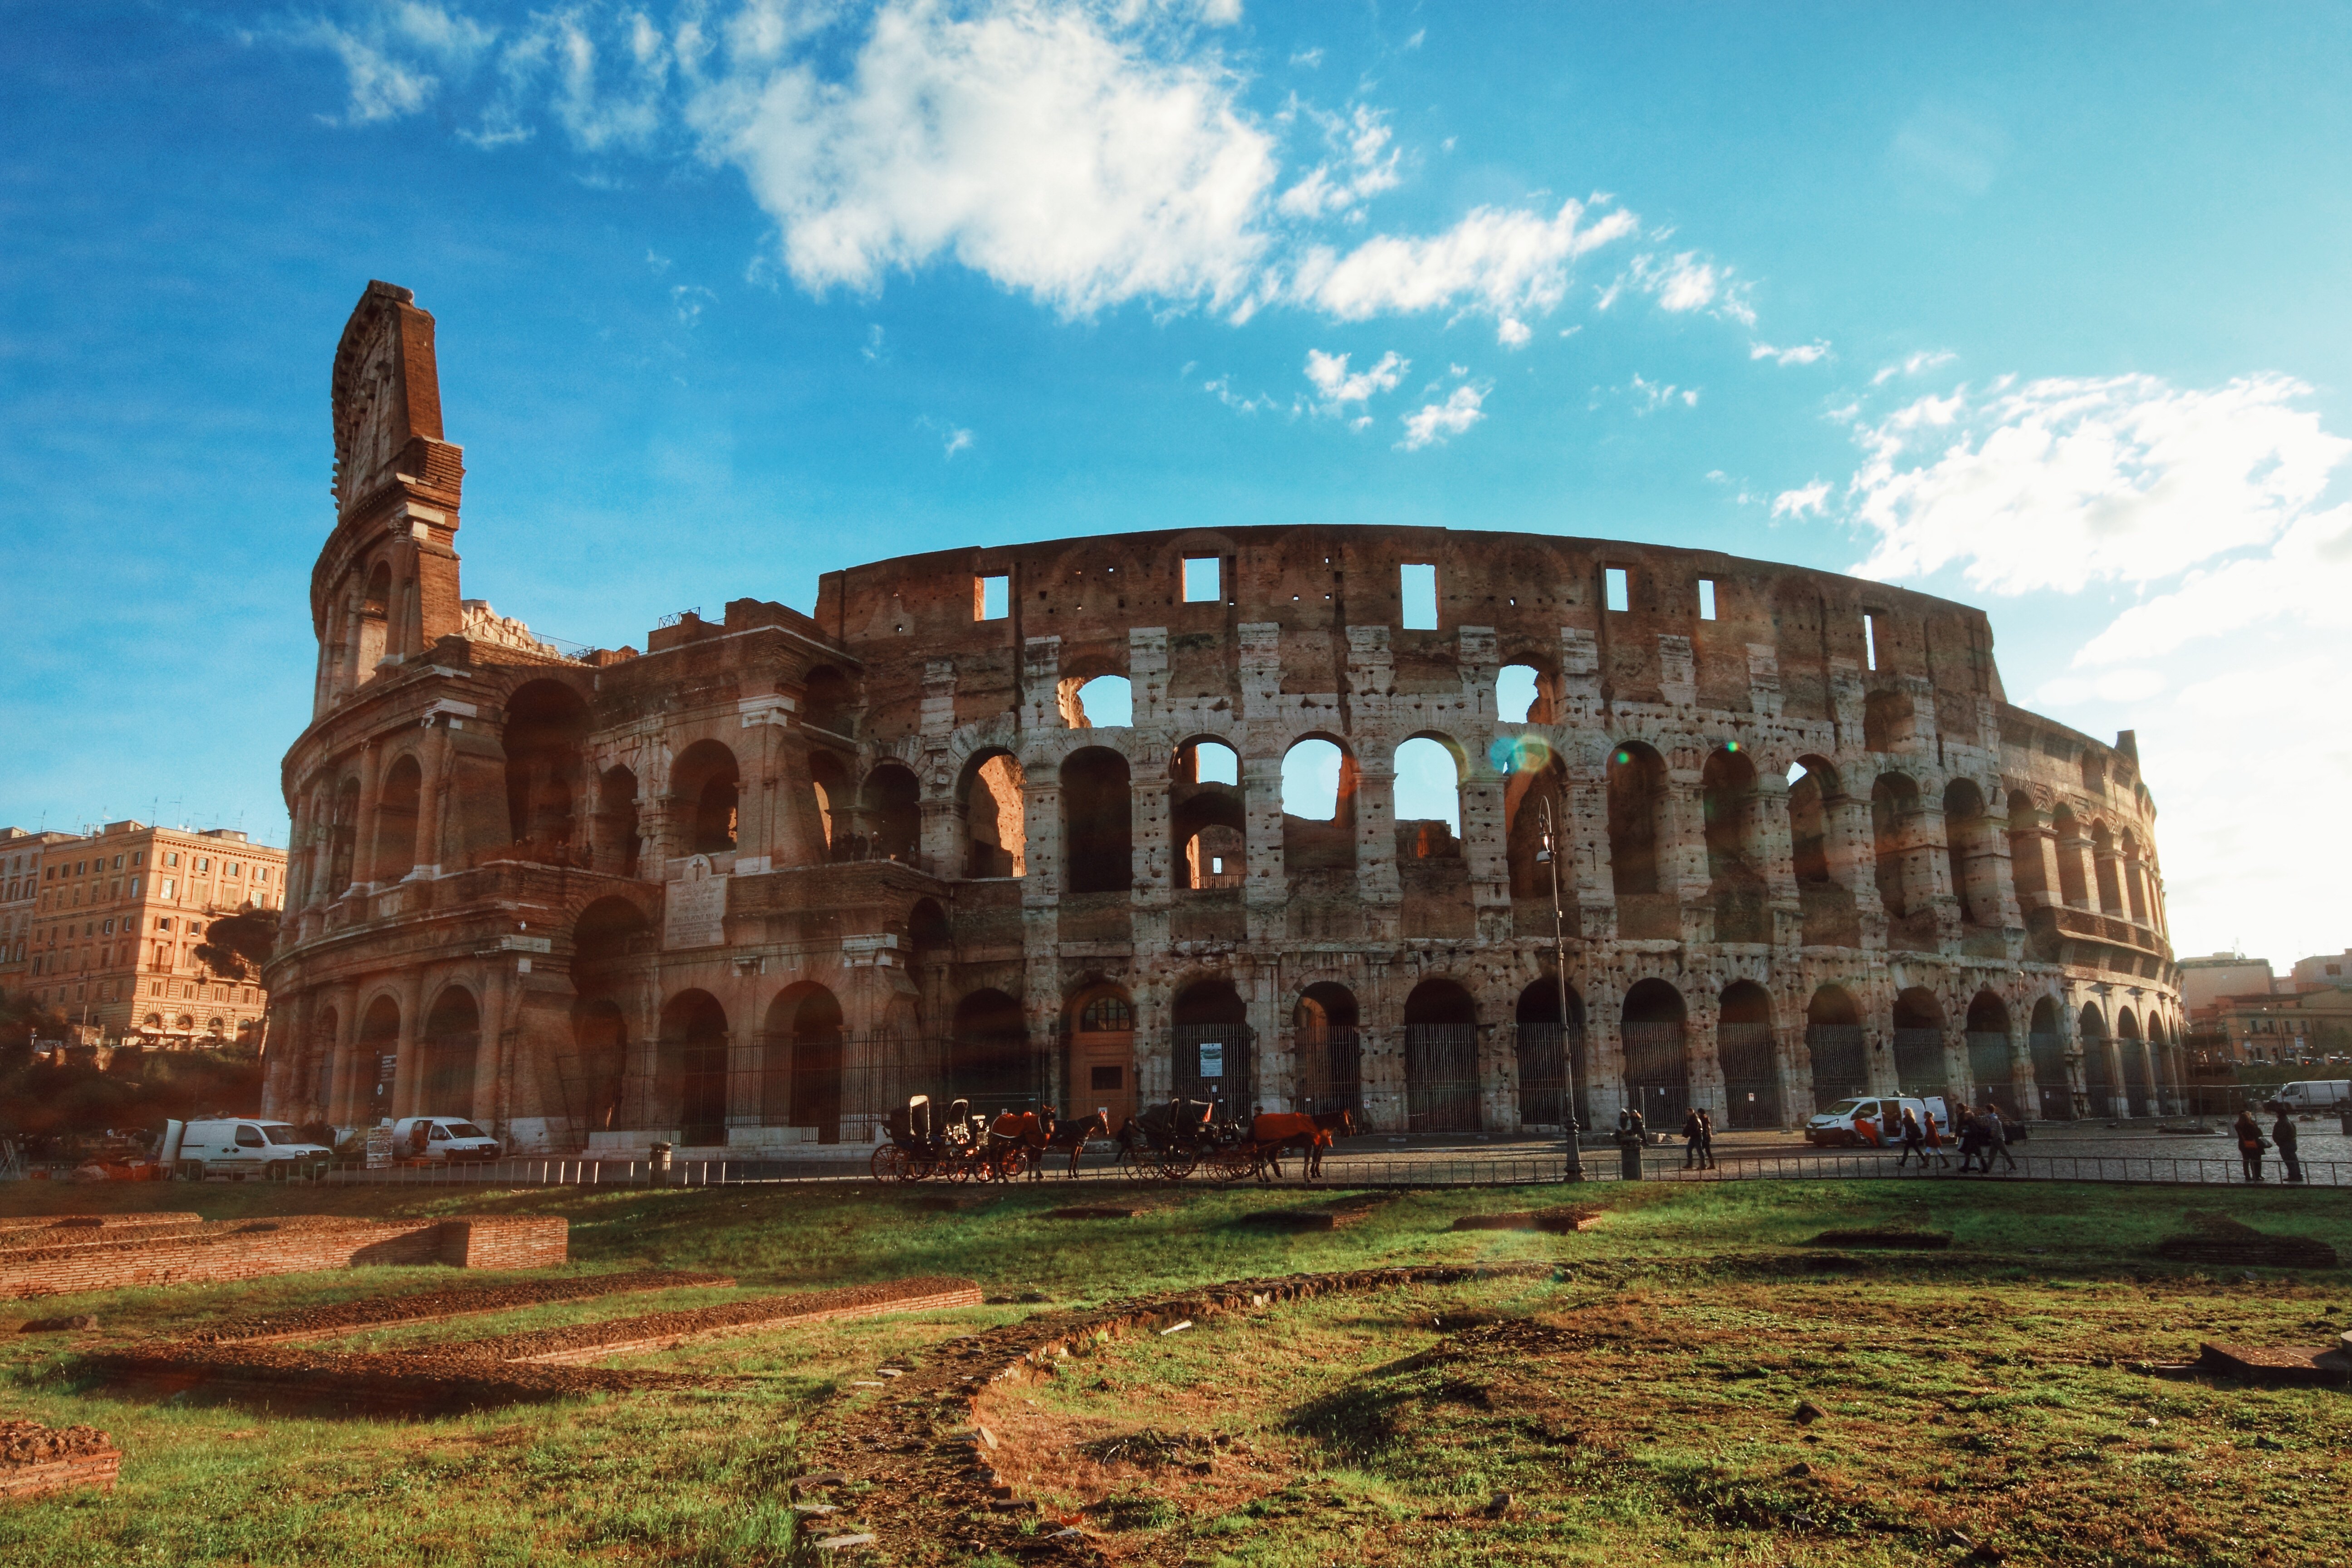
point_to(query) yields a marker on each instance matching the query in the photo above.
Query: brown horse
(1034, 1133)
(1274, 1131)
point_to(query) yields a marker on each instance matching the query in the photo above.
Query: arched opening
(1526, 694)
(1318, 817)
(1839, 1045)
(1212, 1051)
(325, 1030)
(995, 842)
(894, 805)
(1206, 818)
(1328, 1048)
(592, 1076)
(397, 804)
(1735, 859)
(1535, 792)
(829, 792)
(804, 1029)
(379, 1057)
(2072, 887)
(1102, 1053)
(1889, 719)
(1213, 856)
(375, 619)
(1441, 1059)
(2099, 1063)
(2138, 1087)
(1103, 702)
(1657, 1061)
(1989, 1069)
(344, 833)
(2102, 859)
(2135, 880)
(1638, 842)
(2093, 771)
(694, 1066)
(1968, 852)
(928, 931)
(546, 733)
(1546, 1051)
(1744, 1049)
(1826, 903)
(1919, 1038)
(616, 822)
(2045, 1040)
(1428, 800)
(988, 1059)
(449, 1050)
(705, 784)
(1097, 831)
(831, 702)
(1208, 763)
(1904, 886)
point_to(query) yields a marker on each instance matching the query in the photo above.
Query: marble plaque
(693, 907)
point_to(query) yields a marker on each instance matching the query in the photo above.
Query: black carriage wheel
(890, 1163)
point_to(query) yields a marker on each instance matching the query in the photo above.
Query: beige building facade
(114, 920)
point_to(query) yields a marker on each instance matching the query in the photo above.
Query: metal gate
(1217, 1062)
(1841, 1055)
(1331, 1070)
(1544, 1080)
(1750, 1082)
(2050, 1085)
(1919, 1061)
(1657, 1073)
(1441, 1077)
(1989, 1066)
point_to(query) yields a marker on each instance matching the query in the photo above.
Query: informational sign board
(694, 908)
(1212, 1060)
(379, 1147)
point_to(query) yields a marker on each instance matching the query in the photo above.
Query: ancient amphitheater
(745, 889)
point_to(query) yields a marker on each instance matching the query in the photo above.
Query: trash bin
(659, 1176)
(1629, 1156)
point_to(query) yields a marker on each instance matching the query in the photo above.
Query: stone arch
(1731, 807)
(1327, 1044)
(988, 799)
(1207, 760)
(1316, 846)
(1207, 819)
(928, 934)
(1839, 1045)
(1088, 701)
(893, 806)
(694, 1068)
(1441, 1059)
(2098, 1062)
(1968, 849)
(616, 822)
(1097, 823)
(2046, 1041)
(592, 1074)
(547, 728)
(345, 830)
(1640, 840)
(1426, 757)
(1527, 690)
(448, 1054)
(990, 1062)
(1905, 882)
(829, 796)
(1889, 720)
(1101, 1069)
(398, 799)
(1744, 1046)
(2072, 889)
(1552, 1059)
(831, 703)
(1212, 1054)
(1830, 919)
(2103, 864)
(1536, 782)
(1918, 1039)
(803, 1090)
(707, 785)
(2139, 1091)
(1657, 1055)
(377, 1043)
(1988, 1056)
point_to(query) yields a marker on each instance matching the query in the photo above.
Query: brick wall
(242, 1251)
(99, 1470)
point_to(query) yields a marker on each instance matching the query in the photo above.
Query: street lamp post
(1549, 855)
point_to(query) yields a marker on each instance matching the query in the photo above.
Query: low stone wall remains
(37, 1460)
(67, 1257)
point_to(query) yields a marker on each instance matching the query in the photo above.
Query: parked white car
(239, 1147)
(2315, 1094)
(441, 1139)
(1835, 1125)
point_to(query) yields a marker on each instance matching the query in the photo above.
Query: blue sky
(2043, 307)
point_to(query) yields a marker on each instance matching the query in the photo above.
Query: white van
(442, 1139)
(239, 1147)
(1834, 1127)
(2315, 1094)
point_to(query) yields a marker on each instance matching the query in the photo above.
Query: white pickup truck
(238, 1147)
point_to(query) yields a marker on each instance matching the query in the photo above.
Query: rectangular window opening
(1420, 584)
(1201, 584)
(1618, 596)
(1706, 598)
(1869, 641)
(992, 598)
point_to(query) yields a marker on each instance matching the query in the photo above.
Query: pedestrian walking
(1915, 1142)
(1996, 1138)
(1972, 1142)
(1694, 1134)
(2283, 1134)
(1935, 1140)
(2250, 1143)
(1706, 1136)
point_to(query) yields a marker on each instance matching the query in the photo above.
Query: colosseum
(1098, 821)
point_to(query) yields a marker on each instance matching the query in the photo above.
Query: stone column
(1265, 891)
(1682, 854)
(1793, 1057)
(430, 802)
(364, 845)
(1377, 882)
(1604, 1015)
(1850, 845)
(406, 1089)
(490, 1090)
(1703, 1058)
(1594, 888)
(1486, 847)
(1772, 840)
(345, 1081)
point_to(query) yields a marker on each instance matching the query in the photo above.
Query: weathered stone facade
(748, 888)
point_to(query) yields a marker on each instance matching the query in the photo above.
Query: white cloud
(394, 55)
(1513, 332)
(1803, 353)
(1368, 166)
(2063, 481)
(1337, 387)
(1649, 396)
(1222, 388)
(2306, 579)
(957, 441)
(1511, 264)
(1437, 421)
(689, 301)
(1914, 364)
(1810, 498)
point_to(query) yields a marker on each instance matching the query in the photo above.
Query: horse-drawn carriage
(1171, 1142)
(1165, 1142)
(967, 1148)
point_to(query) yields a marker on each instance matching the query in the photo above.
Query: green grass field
(1636, 1403)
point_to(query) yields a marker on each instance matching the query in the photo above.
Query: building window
(1706, 598)
(170, 887)
(1204, 582)
(1618, 594)
(1418, 583)
(992, 597)
(1869, 640)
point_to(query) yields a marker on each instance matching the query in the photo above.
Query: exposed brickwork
(253, 1250)
(37, 1460)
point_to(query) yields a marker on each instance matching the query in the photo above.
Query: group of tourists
(2251, 1142)
(1980, 1132)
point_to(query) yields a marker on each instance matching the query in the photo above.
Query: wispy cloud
(1438, 422)
(1336, 387)
(1913, 364)
(1803, 353)
(1811, 499)
(1648, 396)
